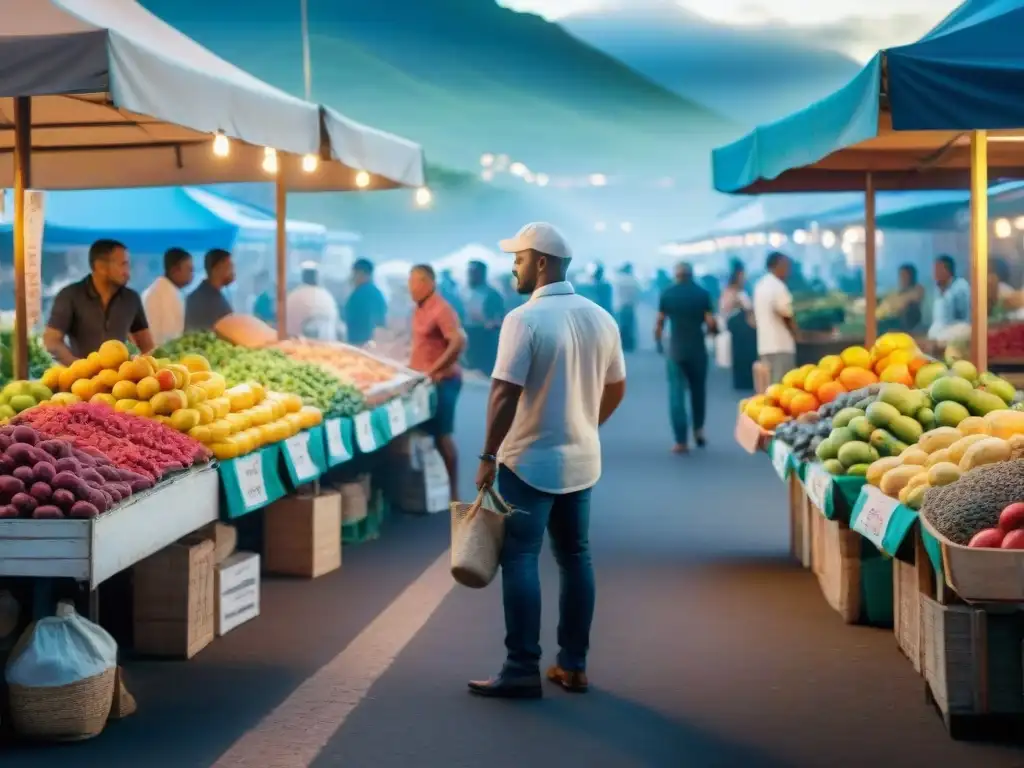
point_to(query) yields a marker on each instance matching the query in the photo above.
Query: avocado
(882, 414)
(951, 388)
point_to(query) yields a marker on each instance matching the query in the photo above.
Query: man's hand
(486, 473)
(435, 376)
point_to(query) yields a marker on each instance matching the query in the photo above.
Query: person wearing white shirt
(164, 305)
(312, 311)
(559, 375)
(773, 316)
(626, 294)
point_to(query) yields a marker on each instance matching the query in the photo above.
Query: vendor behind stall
(312, 311)
(164, 306)
(207, 305)
(951, 310)
(99, 308)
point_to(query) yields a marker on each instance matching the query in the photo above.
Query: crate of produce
(973, 667)
(749, 435)
(301, 535)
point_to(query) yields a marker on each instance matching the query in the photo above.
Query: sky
(856, 27)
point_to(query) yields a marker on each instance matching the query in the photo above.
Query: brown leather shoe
(573, 682)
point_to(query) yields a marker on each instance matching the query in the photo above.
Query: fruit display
(976, 502)
(345, 362)
(17, 396)
(51, 479)
(38, 358)
(1008, 532)
(271, 369)
(805, 434)
(1006, 341)
(142, 446)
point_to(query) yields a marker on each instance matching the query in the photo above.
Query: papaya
(834, 467)
(959, 448)
(881, 415)
(1004, 424)
(845, 416)
(991, 450)
(943, 473)
(886, 444)
(880, 467)
(940, 437)
(861, 427)
(951, 388)
(981, 402)
(856, 452)
(895, 479)
(940, 456)
(973, 425)
(905, 429)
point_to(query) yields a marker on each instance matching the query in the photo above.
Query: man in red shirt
(437, 342)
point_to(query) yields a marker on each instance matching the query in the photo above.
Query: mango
(185, 419)
(991, 450)
(943, 473)
(886, 444)
(949, 413)
(905, 429)
(834, 467)
(845, 416)
(951, 388)
(147, 388)
(938, 438)
(861, 427)
(895, 479)
(928, 374)
(901, 397)
(856, 452)
(981, 403)
(965, 370)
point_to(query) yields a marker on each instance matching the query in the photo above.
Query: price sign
(336, 443)
(421, 402)
(364, 432)
(396, 417)
(875, 513)
(251, 481)
(298, 452)
(780, 459)
(819, 484)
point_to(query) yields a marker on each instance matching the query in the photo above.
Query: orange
(816, 379)
(856, 378)
(897, 373)
(787, 397)
(774, 392)
(917, 364)
(830, 391)
(831, 364)
(794, 378)
(856, 357)
(771, 417)
(804, 402)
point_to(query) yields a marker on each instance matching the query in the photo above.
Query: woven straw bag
(478, 532)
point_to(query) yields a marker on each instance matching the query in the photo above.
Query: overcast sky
(856, 27)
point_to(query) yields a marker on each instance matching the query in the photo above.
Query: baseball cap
(538, 236)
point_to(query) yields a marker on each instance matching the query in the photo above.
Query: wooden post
(979, 249)
(870, 264)
(22, 181)
(281, 208)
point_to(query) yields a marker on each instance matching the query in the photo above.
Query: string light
(542, 179)
(598, 180)
(221, 146)
(270, 160)
(310, 163)
(423, 197)
(800, 236)
(487, 160)
(518, 169)
(828, 238)
(1003, 228)
(362, 179)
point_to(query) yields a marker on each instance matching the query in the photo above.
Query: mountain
(751, 75)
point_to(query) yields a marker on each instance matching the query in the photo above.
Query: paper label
(396, 417)
(298, 451)
(364, 432)
(780, 459)
(34, 255)
(875, 514)
(819, 482)
(251, 481)
(336, 443)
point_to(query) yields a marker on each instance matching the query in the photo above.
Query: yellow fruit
(206, 414)
(878, 469)
(135, 370)
(143, 409)
(202, 434)
(65, 379)
(241, 397)
(182, 376)
(894, 480)
(51, 378)
(991, 450)
(856, 357)
(185, 419)
(166, 403)
(198, 377)
(258, 392)
(147, 388)
(943, 473)
(973, 425)
(220, 430)
(195, 395)
(195, 363)
(277, 407)
(937, 439)
(125, 390)
(959, 448)
(113, 354)
(1005, 424)
(225, 451)
(237, 421)
(214, 384)
(66, 398)
(244, 441)
(126, 405)
(165, 420)
(103, 397)
(914, 455)
(106, 379)
(310, 416)
(941, 456)
(260, 415)
(83, 388)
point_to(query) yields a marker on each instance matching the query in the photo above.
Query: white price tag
(875, 514)
(396, 417)
(335, 442)
(298, 451)
(780, 459)
(250, 480)
(818, 484)
(364, 432)
(421, 402)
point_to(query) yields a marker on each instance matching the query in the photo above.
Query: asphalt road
(710, 647)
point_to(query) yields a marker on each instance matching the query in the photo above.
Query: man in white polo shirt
(559, 375)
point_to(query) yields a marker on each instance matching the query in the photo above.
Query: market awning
(119, 98)
(904, 118)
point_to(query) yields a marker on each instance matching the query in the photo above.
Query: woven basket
(477, 536)
(63, 713)
(124, 703)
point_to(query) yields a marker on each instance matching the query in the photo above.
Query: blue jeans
(567, 520)
(687, 376)
(443, 421)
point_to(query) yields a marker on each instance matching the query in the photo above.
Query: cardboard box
(302, 535)
(238, 591)
(174, 600)
(421, 484)
(355, 499)
(224, 538)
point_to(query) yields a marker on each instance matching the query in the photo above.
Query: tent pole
(22, 181)
(979, 249)
(281, 207)
(870, 264)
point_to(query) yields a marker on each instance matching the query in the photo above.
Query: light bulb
(362, 179)
(518, 169)
(221, 146)
(310, 163)
(598, 180)
(542, 180)
(487, 174)
(423, 197)
(487, 160)
(800, 236)
(828, 239)
(270, 160)
(1003, 228)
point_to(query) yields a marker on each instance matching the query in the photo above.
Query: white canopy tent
(102, 93)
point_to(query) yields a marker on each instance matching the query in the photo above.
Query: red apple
(990, 538)
(1012, 517)
(1013, 540)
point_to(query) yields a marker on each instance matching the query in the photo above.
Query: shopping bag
(723, 350)
(478, 531)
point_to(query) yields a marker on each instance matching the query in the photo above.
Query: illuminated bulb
(221, 146)
(487, 174)
(529, 178)
(423, 197)
(775, 240)
(542, 179)
(270, 160)
(598, 180)
(626, 226)
(487, 160)
(309, 163)
(828, 238)
(362, 179)
(800, 236)
(518, 169)
(1003, 228)
(1019, 222)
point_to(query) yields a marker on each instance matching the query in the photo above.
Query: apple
(990, 538)
(1012, 517)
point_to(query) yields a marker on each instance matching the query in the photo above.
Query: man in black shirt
(687, 307)
(207, 305)
(99, 308)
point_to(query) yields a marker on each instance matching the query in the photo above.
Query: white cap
(538, 236)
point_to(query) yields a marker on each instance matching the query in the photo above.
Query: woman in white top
(165, 308)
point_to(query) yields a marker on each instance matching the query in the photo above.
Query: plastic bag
(61, 650)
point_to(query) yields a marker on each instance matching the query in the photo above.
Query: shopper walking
(560, 374)
(437, 342)
(626, 296)
(773, 316)
(687, 307)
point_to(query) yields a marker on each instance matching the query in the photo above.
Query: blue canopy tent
(917, 116)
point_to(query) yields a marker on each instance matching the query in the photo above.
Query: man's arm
(53, 340)
(57, 328)
(783, 304)
(450, 327)
(659, 324)
(143, 340)
(611, 399)
(709, 317)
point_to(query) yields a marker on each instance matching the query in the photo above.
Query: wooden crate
(909, 582)
(799, 521)
(302, 535)
(973, 667)
(174, 600)
(838, 566)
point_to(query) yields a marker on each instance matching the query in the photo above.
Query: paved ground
(710, 647)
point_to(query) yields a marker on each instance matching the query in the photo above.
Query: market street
(710, 647)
